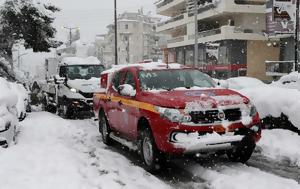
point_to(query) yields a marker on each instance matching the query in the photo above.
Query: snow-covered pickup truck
(159, 109)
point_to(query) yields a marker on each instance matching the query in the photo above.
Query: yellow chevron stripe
(128, 102)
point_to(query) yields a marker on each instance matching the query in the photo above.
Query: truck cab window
(129, 79)
(117, 81)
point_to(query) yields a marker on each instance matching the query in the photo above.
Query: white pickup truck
(70, 85)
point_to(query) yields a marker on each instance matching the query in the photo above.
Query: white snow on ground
(280, 145)
(53, 153)
(238, 176)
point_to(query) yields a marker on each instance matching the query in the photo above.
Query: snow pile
(270, 100)
(80, 61)
(280, 145)
(8, 101)
(291, 81)
(55, 153)
(7, 97)
(244, 82)
(274, 101)
(22, 97)
(241, 177)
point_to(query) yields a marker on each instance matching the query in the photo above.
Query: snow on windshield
(173, 79)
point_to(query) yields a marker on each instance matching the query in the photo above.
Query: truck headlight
(173, 115)
(74, 90)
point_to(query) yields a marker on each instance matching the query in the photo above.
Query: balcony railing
(176, 40)
(174, 19)
(165, 2)
(279, 68)
(206, 33)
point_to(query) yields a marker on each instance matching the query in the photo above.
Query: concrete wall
(257, 53)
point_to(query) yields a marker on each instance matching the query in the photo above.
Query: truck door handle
(120, 103)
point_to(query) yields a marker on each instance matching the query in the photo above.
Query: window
(129, 79)
(126, 26)
(117, 81)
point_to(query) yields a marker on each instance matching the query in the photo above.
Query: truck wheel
(104, 129)
(243, 151)
(151, 156)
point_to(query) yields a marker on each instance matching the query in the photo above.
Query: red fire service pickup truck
(159, 109)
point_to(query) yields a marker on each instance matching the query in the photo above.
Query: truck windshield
(172, 79)
(84, 71)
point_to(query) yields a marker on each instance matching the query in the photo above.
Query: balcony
(168, 7)
(172, 23)
(218, 34)
(217, 8)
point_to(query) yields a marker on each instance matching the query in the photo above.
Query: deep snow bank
(274, 101)
(280, 144)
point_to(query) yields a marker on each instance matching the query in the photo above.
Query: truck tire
(151, 156)
(242, 153)
(104, 129)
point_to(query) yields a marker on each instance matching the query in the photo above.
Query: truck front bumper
(195, 143)
(175, 138)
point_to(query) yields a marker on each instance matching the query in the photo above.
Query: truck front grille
(212, 116)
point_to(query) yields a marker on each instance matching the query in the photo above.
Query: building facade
(232, 37)
(137, 39)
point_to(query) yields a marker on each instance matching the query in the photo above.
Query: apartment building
(137, 39)
(232, 36)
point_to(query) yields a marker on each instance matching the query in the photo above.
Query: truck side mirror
(59, 80)
(126, 90)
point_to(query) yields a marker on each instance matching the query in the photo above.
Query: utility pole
(196, 33)
(116, 33)
(296, 37)
(70, 33)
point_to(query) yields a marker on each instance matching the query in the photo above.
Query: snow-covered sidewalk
(281, 145)
(53, 153)
(63, 154)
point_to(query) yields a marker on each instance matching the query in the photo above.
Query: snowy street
(56, 153)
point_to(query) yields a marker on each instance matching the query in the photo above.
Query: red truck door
(129, 111)
(113, 107)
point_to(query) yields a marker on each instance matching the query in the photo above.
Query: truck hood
(87, 86)
(195, 99)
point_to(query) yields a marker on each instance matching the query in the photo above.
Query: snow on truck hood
(196, 99)
(87, 86)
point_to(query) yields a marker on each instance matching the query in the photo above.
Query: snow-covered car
(8, 114)
(23, 104)
(277, 103)
(238, 83)
(290, 81)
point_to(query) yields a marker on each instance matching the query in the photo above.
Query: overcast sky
(92, 16)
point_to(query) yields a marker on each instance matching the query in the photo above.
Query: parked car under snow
(8, 114)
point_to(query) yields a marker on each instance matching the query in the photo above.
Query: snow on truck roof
(70, 61)
(145, 66)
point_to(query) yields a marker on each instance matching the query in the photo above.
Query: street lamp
(70, 32)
